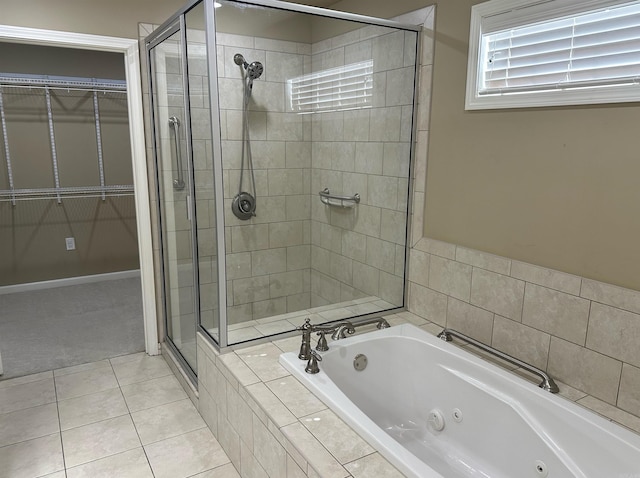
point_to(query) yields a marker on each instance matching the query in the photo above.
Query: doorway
(127, 50)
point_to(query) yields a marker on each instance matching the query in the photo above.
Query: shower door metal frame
(222, 344)
(168, 30)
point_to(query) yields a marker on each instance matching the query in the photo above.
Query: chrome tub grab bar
(547, 382)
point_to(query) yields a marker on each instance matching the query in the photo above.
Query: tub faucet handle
(322, 341)
(312, 365)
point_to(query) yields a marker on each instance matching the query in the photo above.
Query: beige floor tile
(128, 358)
(224, 471)
(154, 392)
(80, 411)
(27, 424)
(99, 440)
(146, 368)
(26, 379)
(57, 474)
(85, 383)
(272, 328)
(27, 395)
(198, 451)
(166, 421)
(246, 333)
(130, 464)
(32, 458)
(85, 367)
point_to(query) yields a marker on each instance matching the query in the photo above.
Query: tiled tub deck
(270, 425)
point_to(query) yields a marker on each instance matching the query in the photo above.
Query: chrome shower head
(254, 69)
(238, 59)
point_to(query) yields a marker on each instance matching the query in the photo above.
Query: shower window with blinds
(558, 52)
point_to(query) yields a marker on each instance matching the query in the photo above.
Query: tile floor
(127, 417)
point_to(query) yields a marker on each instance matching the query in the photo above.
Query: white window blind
(335, 89)
(593, 49)
(553, 52)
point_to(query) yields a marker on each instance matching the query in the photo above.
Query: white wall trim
(129, 47)
(68, 281)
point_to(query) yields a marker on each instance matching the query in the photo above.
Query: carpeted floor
(54, 328)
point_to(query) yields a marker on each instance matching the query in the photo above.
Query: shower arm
(174, 124)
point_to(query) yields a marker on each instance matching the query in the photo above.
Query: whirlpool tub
(435, 410)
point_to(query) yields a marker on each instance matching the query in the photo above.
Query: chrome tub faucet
(337, 331)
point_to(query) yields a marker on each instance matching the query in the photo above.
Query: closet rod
(66, 192)
(63, 82)
(62, 88)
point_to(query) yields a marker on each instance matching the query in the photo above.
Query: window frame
(498, 15)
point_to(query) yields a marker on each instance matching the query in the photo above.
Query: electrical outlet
(70, 242)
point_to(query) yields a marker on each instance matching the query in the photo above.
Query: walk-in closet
(69, 268)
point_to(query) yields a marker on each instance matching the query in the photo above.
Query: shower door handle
(174, 124)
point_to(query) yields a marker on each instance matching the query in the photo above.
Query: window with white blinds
(588, 53)
(335, 89)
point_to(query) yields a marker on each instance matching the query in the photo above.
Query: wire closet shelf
(49, 83)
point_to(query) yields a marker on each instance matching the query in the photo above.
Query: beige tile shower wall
(268, 257)
(584, 333)
(361, 251)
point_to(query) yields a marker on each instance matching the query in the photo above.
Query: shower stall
(283, 138)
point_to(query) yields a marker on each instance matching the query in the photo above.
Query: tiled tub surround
(270, 425)
(125, 417)
(583, 332)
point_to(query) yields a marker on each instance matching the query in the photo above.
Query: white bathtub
(495, 424)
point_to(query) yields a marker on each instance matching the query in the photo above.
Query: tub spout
(342, 329)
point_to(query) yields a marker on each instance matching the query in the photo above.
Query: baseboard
(67, 281)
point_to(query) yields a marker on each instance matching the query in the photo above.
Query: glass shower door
(175, 194)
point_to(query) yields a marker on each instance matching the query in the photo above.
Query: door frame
(129, 48)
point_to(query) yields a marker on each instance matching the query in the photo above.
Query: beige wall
(117, 18)
(549, 186)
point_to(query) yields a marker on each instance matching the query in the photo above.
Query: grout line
(64, 460)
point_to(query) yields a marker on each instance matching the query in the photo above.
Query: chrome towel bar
(547, 382)
(341, 201)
